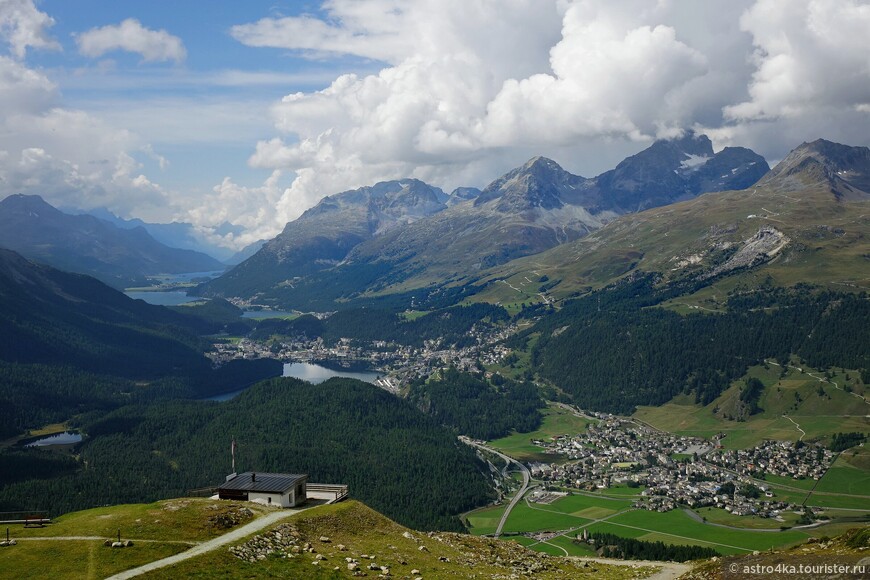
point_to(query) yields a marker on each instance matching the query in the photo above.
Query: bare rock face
(760, 248)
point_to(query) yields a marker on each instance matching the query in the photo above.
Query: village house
(278, 489)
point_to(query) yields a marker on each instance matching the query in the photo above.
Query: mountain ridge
(86, 244)
(803, 222)
(528, 210)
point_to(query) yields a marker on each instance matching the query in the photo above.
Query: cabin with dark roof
(279, 489)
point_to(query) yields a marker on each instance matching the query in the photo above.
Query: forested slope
(613, 350)
(393, 457)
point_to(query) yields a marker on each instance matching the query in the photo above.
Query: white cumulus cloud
(23, 26)
(815, 54)
(131, 36)
(42, 142)
(470, 88)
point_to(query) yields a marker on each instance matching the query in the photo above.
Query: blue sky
(237, 83)
(250, 112)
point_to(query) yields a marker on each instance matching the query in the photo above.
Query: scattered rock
(352, 566)
(325, 539)
(341, 548)
(128, 544)
(281, 542)
(117, 544)
(415, 572)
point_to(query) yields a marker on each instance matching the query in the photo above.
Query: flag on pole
(233, 452)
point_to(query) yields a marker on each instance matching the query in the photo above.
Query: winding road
(527, 477)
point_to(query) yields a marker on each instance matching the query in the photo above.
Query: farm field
(485, 520)
(597, 513)
(557, 421)
(845, 477)
(676, 527)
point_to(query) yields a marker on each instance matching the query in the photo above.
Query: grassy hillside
(846, 550)
(351, 530)
(793, 393)
(72, 546)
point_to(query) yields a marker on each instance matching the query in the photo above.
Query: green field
(844, 477)
(575, 512)
(566, 513)
(676, 527)
(621, 491)
(720, 516)
(525, 518)
(556, 421)
(806, 484)
(840, 502)
(573, 504)
(358, 529)
(484, 521)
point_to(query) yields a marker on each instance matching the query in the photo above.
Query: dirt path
(803, 433)
(210, 545)
(667, 570)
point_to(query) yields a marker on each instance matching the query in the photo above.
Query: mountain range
(805, 221)
(86, 244)
(181, 235)
(347, 244)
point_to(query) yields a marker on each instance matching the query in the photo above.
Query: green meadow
(556, 421)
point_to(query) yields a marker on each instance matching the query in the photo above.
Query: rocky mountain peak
(538, 183)
(845, 169)
(22, 203)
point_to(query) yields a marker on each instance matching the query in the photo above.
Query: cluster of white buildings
(676, 470)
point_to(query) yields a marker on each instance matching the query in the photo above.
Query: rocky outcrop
(760, 248)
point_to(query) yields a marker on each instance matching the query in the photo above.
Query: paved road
(523, 488)
(210, 545)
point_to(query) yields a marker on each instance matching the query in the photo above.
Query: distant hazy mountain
(322, 236)
(89, 245)
(528, 210)
(175, 235)
(245, 253)
(802, 222)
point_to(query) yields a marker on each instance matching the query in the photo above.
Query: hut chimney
(253, 476)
